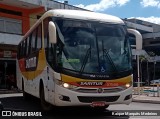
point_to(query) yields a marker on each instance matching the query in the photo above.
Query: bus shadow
(19, 103)
(33, 104)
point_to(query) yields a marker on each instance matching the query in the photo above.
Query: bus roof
(83, 15)
(77, 14)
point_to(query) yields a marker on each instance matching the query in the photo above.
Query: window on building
(8, 25)
(1, 25)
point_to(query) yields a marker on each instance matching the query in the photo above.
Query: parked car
(155, 81)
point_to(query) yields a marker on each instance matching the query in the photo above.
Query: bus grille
(88, 99)
(95, 90)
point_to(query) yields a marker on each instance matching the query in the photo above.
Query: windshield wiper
(108, 56)
(85, 60)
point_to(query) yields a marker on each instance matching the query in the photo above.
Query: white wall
(10, 38)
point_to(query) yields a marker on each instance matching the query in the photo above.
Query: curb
(9, 91)
(11, 95)
(146, 101)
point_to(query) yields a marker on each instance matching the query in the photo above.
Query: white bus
(76, 58)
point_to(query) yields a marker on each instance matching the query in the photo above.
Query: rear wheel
(45, 105)
(26, 96)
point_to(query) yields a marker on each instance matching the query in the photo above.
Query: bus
(76, 58)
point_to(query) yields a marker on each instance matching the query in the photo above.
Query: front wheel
(101, 108)
(45, 105)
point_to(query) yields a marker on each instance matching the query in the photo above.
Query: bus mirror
(138, 37)
(52, 33)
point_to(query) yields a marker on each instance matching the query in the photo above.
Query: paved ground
(136, 98)
(16, 101)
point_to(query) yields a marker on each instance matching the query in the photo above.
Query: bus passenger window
(33, 40)
(28, 46)
(20, 51)
(24, 48)
(39, 38)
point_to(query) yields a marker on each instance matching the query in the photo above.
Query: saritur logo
(91, 83)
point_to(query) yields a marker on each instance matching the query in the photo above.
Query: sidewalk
(146, 99)
(6, 91)
(136, 98)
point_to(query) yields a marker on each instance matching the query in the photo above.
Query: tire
(101, 108)
(44, 105)
(26, 96)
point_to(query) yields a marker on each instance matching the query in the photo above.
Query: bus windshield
(92, 47)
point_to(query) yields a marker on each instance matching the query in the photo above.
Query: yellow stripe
(30, 75)
(66, 78)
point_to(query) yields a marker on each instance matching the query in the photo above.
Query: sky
(148, 10)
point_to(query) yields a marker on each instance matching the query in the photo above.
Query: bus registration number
(98, 104)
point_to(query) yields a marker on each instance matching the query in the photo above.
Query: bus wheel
(45, 105)
(101, 108)
(26, 96)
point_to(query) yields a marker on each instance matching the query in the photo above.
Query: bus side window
(24, 48)
(28, 47)
(39, 38)
(33, 40)
(20, 51)
(30, 41)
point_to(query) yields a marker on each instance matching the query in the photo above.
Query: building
(150, 58)
(16, 18)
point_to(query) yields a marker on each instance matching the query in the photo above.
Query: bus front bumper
(66, 97)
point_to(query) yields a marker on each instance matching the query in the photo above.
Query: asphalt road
(18, 104)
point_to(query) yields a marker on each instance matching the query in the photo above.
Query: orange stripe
(10, 16)
(68, 79)
(8, 7)
(24, 17)
(25, 23)
(30, 75)
(106, 84)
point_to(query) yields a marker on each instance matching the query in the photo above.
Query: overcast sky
(148, 10)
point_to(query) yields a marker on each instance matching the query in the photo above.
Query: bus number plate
(98, 104)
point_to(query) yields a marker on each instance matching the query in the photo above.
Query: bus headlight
(128, 84)
(65, 85)
(69, 86)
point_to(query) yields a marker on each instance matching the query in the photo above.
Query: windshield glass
(92, 47)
